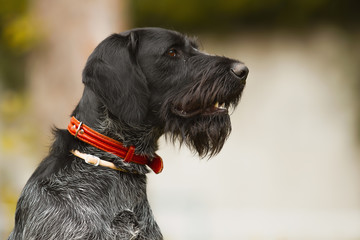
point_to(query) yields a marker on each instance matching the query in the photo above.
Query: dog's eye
(172, 52)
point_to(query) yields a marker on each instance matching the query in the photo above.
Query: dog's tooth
(216, 104)
(221, 106)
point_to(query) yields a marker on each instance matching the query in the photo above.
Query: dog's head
(159, 77)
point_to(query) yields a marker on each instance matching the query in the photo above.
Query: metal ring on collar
(78, 129)
(88, 159)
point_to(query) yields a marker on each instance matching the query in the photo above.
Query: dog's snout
(240, 70)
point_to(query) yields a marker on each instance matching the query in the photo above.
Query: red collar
(88, 135)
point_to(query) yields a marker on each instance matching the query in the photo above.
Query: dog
(139, 85)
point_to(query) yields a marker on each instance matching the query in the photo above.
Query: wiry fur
(136, 90)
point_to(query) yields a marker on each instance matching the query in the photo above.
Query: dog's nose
(240, 70)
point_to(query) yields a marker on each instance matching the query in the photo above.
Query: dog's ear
(115, 77)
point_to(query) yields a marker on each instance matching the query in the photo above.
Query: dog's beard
(204, 134)
(196, 114)
(199, 119)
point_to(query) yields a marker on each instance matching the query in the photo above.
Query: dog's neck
(93, 113)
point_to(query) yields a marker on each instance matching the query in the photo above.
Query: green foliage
(12, 9)
(218, 15)
(17, 37)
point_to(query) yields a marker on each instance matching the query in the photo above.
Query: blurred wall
(71, 29)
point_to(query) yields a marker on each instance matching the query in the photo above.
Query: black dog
(139, 85)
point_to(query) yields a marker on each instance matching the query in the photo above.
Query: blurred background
(290, 169)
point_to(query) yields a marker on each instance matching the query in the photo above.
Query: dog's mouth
(207, 100)
(218, 108)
